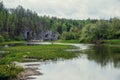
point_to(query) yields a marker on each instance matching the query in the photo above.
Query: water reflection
(104, 54)
(77, 69)
(99, 62)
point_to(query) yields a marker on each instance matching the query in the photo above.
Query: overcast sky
(71, 9)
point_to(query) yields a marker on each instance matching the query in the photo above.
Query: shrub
(8, 72)
(69, 36)
(6, 36)
(1, 39)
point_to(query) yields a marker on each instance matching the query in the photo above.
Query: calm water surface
(95, 62)
(100, 62)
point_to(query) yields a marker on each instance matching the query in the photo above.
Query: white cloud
(75, 9)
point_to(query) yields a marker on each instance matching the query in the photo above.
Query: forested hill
(22, 24)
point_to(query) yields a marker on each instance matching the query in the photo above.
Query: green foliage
(16, 22)
(115, 28)
(96, 32)
(72, 34)
(88, 33)
(69, 36)
(1, 39)
(6, 36)
(8, 72)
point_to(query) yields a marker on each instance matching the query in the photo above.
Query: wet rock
(6, 46)
(28, 72)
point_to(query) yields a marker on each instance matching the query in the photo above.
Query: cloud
(75, 9)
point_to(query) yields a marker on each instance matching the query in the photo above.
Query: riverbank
(68, 41)
(30, 69)
(12, 42)
(38, 51)
(28, 53)
(113, 41)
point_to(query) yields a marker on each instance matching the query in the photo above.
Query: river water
(77, 69)
(95, 62)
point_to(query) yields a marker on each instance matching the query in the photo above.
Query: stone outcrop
(42, 35)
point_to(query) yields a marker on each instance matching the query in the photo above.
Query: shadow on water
(104, 54)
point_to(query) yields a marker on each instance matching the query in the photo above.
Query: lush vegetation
(9, 72)
(40, 52)
(101, 30)
(15, 22)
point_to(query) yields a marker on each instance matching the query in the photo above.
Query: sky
(70, 9)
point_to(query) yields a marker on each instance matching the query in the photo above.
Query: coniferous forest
(25, 24)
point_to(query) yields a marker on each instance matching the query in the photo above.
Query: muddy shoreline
(30, 69)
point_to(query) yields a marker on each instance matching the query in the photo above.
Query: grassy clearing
(41, 52)
(68, 41)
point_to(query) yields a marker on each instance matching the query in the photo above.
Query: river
(95, 62)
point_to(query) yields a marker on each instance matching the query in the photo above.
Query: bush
(69, 36)
(18, 38)
(1, 39)
(6, 36)
(8, 72)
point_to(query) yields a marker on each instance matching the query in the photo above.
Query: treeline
(101, 30)
(14, 22)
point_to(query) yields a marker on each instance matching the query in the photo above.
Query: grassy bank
(9, 71)
(22, 53)
(12, 42)
(113, 41)
(68, 41)
(41, 52)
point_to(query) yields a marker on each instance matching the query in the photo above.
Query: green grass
(41, 52)
(68, 41)
(13, 42)
(113, 41)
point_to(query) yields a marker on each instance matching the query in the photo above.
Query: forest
(14, 24)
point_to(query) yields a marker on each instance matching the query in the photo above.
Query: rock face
(42, 35)
(49, 35)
